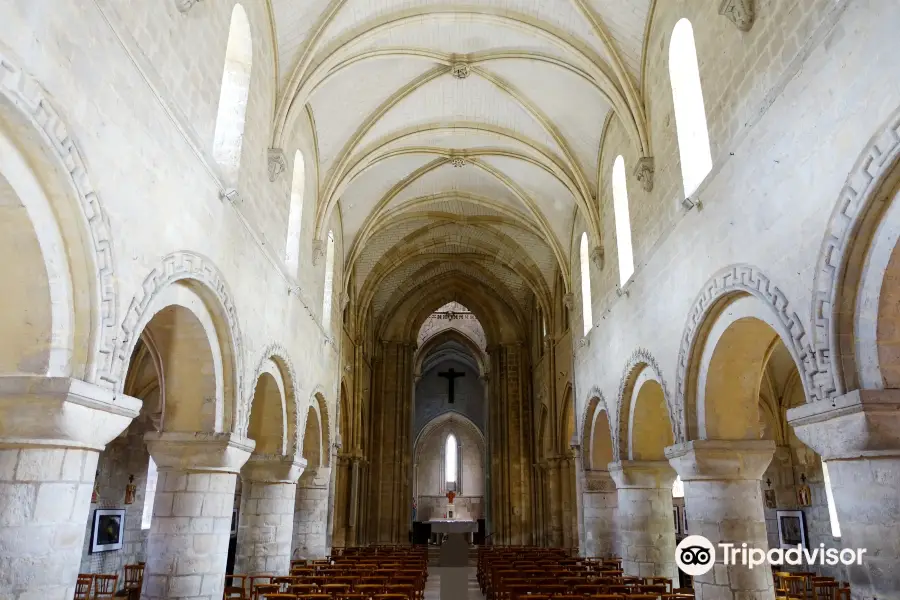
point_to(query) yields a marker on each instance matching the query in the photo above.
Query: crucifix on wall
(450, 376)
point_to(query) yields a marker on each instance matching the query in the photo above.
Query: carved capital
(231, 195)
(185, 5)
(569, 301)
(318, 251)
(277, 163)
(597, 257)
(740, 12)
(643, 172)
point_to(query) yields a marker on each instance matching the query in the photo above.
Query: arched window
(233, 96)
(586, 285)
(451, 463)
(329, 282)
(149, 495)
(690, 114)
(623, 221)
(295, 216)
(829, 497)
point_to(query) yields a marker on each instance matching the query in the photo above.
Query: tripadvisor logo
(696, 555)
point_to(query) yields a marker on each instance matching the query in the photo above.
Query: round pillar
(858, 436)
(311, 514)
(187, 548)
(51, 432)
(646, 532)
(267, 515)
(723, 497)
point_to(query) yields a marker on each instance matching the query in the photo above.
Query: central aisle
(433, 587)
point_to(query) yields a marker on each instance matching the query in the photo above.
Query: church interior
(368, 299)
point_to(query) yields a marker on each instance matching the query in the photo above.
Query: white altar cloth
(453, 526)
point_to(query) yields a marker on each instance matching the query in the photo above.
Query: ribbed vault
(458, 139)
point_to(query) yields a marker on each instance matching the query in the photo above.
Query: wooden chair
(303, 588)
(83, 587)
(795, 586)
(661, 581)
(314, 597)
(134, 576)
(234, 592)
(278, 596)
(105, 587)
(261, 590)
(824, 590)
(604, 597)
(842, 593)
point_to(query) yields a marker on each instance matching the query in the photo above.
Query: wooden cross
(451, 376)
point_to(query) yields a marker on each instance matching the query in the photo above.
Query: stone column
(554, 497)
(723, 496)
(858, 436)
(51, 432)
(354, 501)
(646, 532)
(187, 547)
(311, 514)
(600, 502)
(267, 514)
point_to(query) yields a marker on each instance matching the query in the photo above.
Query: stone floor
(433, 587)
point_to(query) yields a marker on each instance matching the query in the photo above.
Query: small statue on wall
(130, 490)
(804, 494)
(95, 494)
(450, 496)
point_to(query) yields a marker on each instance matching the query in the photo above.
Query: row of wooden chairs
(377, 572)
(92, 586)
(809, 586)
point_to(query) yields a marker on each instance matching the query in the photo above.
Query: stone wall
(126, 455)
(778, 178)
(431, 396)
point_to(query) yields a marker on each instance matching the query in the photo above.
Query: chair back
(83, 587)
(134, 576)
(233, 592)
(105, 586)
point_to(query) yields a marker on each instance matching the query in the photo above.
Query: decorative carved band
(176, 267)
(26, 94)
(276, 351)
(640, 359)
(750, 280)
(877, 161)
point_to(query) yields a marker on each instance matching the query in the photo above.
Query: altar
(454, 556)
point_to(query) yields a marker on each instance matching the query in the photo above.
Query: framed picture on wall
(792, 529)
(234, 521)
(108, 530)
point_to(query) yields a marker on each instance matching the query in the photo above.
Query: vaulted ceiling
(458, 136)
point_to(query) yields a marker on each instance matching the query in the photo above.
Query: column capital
(212, 452)
(61, 412)
(858, 424)
(642, 474)
(721, 460)
(273, 468)
(598, 481)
